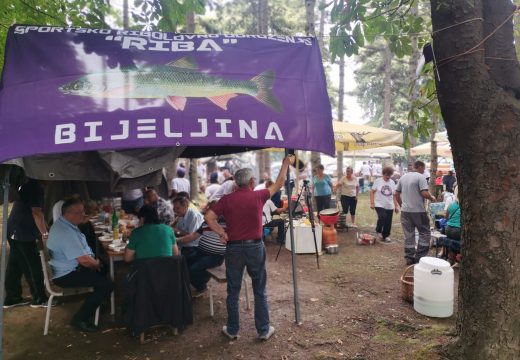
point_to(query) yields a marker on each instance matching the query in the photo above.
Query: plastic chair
(55, 291)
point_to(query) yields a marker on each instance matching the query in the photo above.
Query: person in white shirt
(213, 185)
(377, 169)
(383, 201)
(227, 187)
(268, 211)
(349, 187)
(180, 183)
(366, 173)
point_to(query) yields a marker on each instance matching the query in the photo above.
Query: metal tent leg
(3, 263)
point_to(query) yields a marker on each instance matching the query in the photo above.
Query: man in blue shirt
(73, 263)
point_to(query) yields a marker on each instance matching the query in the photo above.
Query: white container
(433, 292)
(303, 239)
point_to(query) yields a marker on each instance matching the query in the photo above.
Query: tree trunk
(387, 86)
(478, 94)
(194, 180)
(341, 97)
(412, 66)
(310, 30)
(263, 17)
(190, 22)
(433, 157)
(263, 159)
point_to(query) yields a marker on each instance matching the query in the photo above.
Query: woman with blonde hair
(349, 187)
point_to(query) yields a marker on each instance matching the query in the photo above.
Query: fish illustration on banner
(175, 82)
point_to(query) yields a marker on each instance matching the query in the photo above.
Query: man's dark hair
(182, 200)
(149, 214)
(418, 164)
(69, 203)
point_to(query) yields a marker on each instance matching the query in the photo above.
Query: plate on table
(106, 238)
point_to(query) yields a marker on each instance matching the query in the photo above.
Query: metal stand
(308, 201)
(3, 258)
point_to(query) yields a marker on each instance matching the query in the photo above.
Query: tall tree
(478, 93)
(310, 30)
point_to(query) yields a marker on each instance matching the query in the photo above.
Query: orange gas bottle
(329, 236)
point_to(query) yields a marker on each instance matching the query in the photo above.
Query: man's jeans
(251, 256)
(199, 277)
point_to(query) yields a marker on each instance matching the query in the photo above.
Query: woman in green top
(151, 238)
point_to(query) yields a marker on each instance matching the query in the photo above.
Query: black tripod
(308, 201)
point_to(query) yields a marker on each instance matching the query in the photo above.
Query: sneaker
(42, 303)
(268, 335)
(353, 225)
(225, 332)
(8, 303)
(386, 240)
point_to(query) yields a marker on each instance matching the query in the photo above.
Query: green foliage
(165, 15)
(80, 13)
(369, 78)
(359, 21)
(241, 17)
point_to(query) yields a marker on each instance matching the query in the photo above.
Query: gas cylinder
(330, 236)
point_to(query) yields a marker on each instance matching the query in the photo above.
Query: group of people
(388, 195)
(230, 230)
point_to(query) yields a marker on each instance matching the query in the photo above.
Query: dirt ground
(351, 308)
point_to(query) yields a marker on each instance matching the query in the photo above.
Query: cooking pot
(329, 216)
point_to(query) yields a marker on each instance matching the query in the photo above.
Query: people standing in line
(383, 201)
(242, 211)
(25, 224)
(180, 183)
(73, 263)
(349, 187)
(322, 184)
(410, 194)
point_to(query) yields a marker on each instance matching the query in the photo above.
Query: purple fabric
(40, 112)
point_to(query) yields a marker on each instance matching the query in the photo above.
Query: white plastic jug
(433, 292)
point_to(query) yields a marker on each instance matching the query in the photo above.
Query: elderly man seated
(164, 208)
(74, 265)
(186, 228)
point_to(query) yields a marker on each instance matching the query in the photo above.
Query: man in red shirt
(242, 211)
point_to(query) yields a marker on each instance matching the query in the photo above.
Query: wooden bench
(219, 275)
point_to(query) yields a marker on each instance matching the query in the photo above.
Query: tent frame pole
(293, 257)
(3, 263)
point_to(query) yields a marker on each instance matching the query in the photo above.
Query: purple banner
(76, 89)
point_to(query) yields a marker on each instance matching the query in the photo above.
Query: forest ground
(351, 308)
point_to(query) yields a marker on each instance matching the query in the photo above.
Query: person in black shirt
(449, 180)
(24, 225)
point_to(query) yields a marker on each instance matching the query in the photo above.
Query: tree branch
(43, 13)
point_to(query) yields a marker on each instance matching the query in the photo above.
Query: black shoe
(84, 326)
(42, 303)
(10, 303)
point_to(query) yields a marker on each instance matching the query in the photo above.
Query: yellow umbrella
(443, 149)
(377, 151)
(350, 137)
